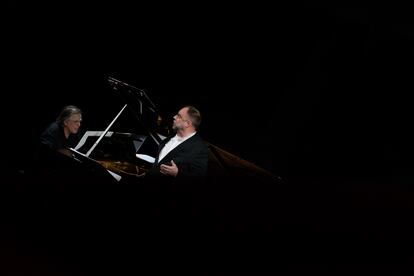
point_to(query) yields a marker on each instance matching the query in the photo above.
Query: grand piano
(103, 182)
(131, 154)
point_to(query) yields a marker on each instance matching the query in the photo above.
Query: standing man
(184, 156)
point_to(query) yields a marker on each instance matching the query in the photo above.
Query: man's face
(73, 123)
(181, 120)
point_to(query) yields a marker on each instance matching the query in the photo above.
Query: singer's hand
(169, 170)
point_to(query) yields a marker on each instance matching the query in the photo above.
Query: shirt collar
(182, 139)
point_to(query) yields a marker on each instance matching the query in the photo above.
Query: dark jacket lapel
(184, 144)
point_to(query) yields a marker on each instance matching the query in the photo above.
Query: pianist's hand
(169, 170)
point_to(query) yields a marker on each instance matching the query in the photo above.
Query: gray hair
(195, 116)
(66, 112)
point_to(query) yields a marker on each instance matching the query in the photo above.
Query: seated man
(59, 136)
(63, 133)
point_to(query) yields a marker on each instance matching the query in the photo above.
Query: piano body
(129, 155)
(104, 180)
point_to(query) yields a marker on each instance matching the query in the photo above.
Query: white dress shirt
(172, 144)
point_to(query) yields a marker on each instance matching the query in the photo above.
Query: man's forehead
(183, 111)
(76, 116)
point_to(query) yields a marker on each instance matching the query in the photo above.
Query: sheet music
(93, 134)
(145, 157)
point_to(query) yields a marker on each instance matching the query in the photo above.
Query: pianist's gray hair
(66, 112)
(195, 116)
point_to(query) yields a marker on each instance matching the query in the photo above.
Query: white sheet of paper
(116, 176)
(145, 157)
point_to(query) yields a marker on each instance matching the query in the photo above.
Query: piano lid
(140, 105)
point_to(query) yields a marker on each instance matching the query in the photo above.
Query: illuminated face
(73, 123)
(181, 120)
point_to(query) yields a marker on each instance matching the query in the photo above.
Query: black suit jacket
(163, 198)
(191, 158)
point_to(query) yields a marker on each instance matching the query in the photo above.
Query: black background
(317, 95)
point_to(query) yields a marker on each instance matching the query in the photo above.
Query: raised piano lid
(140, 105)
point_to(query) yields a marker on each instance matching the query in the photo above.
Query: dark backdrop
(317, 95)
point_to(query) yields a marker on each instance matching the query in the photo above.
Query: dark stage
(318, 96)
